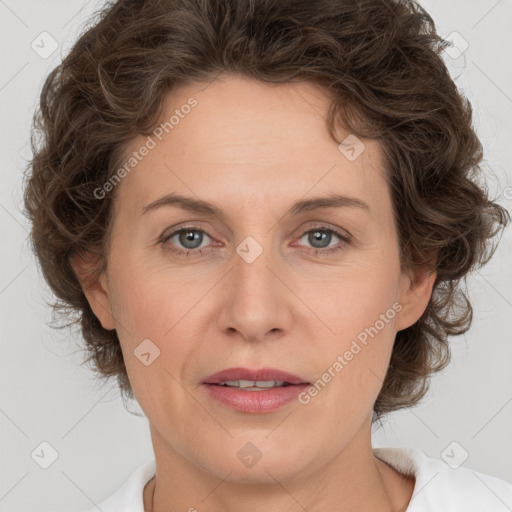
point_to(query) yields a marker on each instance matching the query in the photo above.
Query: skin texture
(253, 149)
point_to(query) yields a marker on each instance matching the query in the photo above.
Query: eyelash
(344, 238)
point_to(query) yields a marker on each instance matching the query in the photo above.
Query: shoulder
(128, 497)
(447, 486)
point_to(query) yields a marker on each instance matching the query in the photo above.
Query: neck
(354, 478)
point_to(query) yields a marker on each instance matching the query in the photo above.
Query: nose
(256, 302)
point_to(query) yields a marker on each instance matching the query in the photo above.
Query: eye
(321, 236)
(188, 238)
(187, 241)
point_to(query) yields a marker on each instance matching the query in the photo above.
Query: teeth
(253, 384)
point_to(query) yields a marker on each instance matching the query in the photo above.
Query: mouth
(254, 391)
(254, 385)
(247, 378)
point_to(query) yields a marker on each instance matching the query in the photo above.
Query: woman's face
(258, 284)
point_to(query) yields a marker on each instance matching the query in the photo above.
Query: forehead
(243, 138)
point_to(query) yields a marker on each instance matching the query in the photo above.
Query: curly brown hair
(381, 61)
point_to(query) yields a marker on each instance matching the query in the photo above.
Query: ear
(416, 290)
(95, 287)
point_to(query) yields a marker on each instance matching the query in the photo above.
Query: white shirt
(438, 487)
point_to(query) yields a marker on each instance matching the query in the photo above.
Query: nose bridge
(252, 277)
(255, 302)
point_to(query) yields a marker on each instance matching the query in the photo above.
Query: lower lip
(255, 401)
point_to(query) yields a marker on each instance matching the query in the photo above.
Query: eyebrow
(304, 205)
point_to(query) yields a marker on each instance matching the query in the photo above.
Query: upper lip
(254, 375)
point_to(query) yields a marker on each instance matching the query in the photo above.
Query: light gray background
(47, 396)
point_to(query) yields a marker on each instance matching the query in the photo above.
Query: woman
(262, 212)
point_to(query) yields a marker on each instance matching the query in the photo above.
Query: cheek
(360, 310)
(356, 299)
(149, 311)
(168, 307)
(156, 341)
(149, 298)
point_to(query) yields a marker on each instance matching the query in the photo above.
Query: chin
(263, 461)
